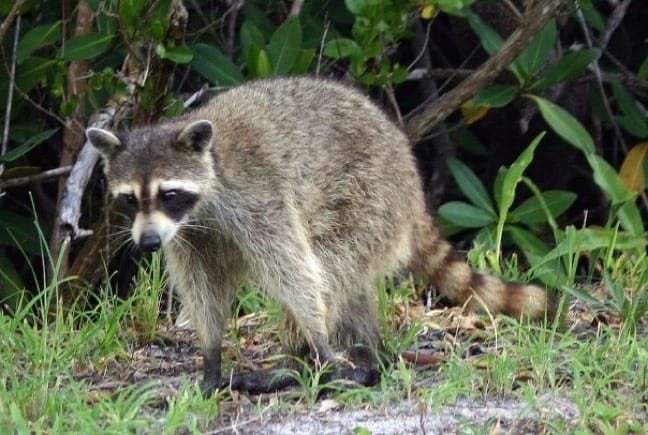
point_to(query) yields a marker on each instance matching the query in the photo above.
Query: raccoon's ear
(197, 136)
(104, 141)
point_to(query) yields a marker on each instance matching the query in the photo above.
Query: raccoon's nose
(150, 241)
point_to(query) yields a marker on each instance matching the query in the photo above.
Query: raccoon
(305, 187)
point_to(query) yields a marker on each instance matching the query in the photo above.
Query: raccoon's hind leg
(435, 259)
(357, 331)
(284, 264)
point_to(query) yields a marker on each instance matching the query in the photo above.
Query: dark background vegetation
(69, 64)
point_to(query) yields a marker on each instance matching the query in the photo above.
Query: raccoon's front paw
(260, 381)
(209, 386)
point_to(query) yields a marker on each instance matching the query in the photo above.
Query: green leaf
(496, 96)
(642, 74)
(511, 179)
(357, 7)
(18, 231)
(263, 67)
(607, 178)
(513, 176)
(465, 215)
(633, 120)
(11, 284)
(471, 186)
(84, 47)
(566, 68)
(538, 50)
(33, 71)
(532, 212)
(180, 55)
(497, 185)
(38, 37)
(341, 47)
(251, 39)
(304, 61)
(490, 39)
(534, 248)
(213, 65)
(565, 125)
(28, 145)
(285, 45)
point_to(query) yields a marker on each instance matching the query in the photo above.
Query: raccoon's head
(158, 174)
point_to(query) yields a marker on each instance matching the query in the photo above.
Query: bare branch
(296, 7)
(13, 13)
(535, 17)
(28, 179)
(12, 84)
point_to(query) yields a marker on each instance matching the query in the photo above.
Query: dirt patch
(330, 418)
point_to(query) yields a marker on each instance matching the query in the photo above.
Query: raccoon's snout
(150, 241)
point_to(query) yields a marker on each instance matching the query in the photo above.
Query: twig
(534, 19)
(28, 179)
(13, 13)
(613, 22)
(296, 7)
(12, 83)
(596, 69)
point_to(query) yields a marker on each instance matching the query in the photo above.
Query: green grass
(55, 371)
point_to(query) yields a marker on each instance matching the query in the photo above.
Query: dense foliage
(582, 78)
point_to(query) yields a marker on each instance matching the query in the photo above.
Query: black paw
(261, 381)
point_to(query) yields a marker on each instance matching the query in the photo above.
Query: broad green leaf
(592, 15)
(607, 178)
(341, 47)
(263, 67)
(471, 186)
(566, 68)
(538, 50)
(33, 71)
(565, 125)
(38, 37)
(632, 120)
(532, 212)
(491, 41)
(180, 55)
(304, 61)
(534, 248)
(213, 65)
(285, 45)
(26, 146)
(535, 251)
(18, 231)
(630, 124)
(465, 215)
(631, 219)
(632, 169)
(251, 39)
(496, 96)
(84, 47)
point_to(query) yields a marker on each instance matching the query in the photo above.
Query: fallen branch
(535, 17)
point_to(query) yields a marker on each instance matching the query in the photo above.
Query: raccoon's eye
(129, 199)
(168, 195)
